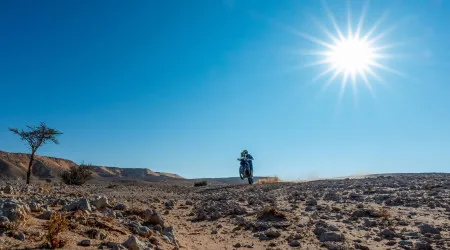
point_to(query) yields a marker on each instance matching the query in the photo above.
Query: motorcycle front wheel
(241, 174)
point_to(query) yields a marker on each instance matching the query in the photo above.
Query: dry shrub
(268, 180)
(77, 175)
(271, 213)
(200, 184)
(58, 223)
(13, 226)
(112, 186)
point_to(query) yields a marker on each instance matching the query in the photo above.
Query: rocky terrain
(395, 212)
(15, 165)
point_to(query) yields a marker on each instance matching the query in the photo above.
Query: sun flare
(351, 55)
(354, 55)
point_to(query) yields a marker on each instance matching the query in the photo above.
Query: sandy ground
(398, 212)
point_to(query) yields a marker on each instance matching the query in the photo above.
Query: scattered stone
(101, 202)
(3, 221)
(114, 246)
(132, 243)
(421, 245)
(387, 234)
(154, 218)
(85, 243)
(20, 237)
(272, 233)
(405, 243)
(426, 228)
(35, 207)
(81, 204)
(120, 207)
(154, 241)
(331, 236)
(272, 244)
(13, 209)
(9, 189)
(362, 247)
(391, 243)
(170, 233)
(294, 243)
(146, 214)
(311, 202)
(169, 204)
(369, 223)
(365, 213)
(333, 246)
(46, 215)
(110, 213)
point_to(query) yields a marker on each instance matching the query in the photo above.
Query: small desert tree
(35, 137)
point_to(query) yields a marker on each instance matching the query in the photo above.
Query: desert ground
(402, 211)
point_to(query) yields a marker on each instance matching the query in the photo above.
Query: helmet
(245, 151)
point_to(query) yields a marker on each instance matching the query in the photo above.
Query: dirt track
(399, 212)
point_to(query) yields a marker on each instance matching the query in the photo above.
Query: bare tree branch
(35, 137)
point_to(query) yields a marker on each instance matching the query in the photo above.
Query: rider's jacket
(250, 160)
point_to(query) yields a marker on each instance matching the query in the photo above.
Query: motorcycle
(245, 171)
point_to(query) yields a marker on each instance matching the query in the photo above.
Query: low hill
(14, 166)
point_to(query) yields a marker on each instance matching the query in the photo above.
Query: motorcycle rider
(248, 157)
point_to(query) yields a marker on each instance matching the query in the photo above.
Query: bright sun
(354, 56)
(351, 56)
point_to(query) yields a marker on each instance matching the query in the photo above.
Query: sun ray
(324, 29)
(343, 85)
(387, 31)
(361, 20)
(383, 56)
(333, 20)
(387, 46)
(317, 41)
(382, 35)
(355, 91)
(353, 75)
(373, 74)
(316, 63)
(368, 85)
(330, 80)
(365, 80)
(349, 20)
(375, 26)
(378, 65)
(323, 73)
(312, 52)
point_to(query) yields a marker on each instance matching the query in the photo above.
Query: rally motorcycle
(244, 170)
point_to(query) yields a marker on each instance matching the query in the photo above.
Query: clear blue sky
(184, 86)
